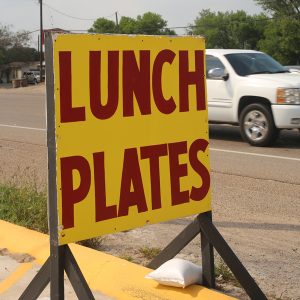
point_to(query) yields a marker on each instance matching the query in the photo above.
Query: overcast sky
(24, 14)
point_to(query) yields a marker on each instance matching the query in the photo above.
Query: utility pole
(117, 21)
(41, 40)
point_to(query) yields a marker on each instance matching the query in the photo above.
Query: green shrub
(24, 205)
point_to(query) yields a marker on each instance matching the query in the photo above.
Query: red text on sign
(131, 183)
(137, 83)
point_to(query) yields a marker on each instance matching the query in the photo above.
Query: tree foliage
(281, 7)
(13, 46)
(282, 41)
(5, 37)
(279, 36)
(282, 33)
(10, 39)
(128, 25)
(20, 53)
(277, 33)
(229, 29)
(149, 23)
(103, 25)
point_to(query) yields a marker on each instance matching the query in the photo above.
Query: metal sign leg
(52, 271)
(57, 272)
(234, 264)
(210, 239)
(181, 240)
(76, 278)
(208, 264)
(38, 283)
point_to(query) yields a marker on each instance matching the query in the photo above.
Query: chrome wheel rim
(256, 125)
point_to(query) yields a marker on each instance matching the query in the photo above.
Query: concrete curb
(112, 276)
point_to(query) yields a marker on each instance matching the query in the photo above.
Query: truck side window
(213, 62)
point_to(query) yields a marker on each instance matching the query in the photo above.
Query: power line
(251, 21)
(27, 33)
(73, 17)
(50, 16)
(180, 27)
(166, 28)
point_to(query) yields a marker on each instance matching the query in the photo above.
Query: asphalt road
(22, 119)
(255, 191)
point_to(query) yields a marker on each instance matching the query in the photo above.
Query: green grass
(94, 243)
(128, 258)
(24, 205)
(223, 272)
(149, 252)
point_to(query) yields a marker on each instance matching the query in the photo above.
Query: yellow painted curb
(110, 275)
(14, 277)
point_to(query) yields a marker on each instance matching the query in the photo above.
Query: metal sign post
(61, 258)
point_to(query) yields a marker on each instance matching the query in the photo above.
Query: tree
(282, 40)
(5, 37)
(2, 56)
(229, 29)
(281, 7)
(128, 25)
(209, 24)
(282, 34)
(152, 24)
(9, 40)
(19, 53)
(103, 25)
(148, 23)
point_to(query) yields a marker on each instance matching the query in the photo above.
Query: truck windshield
(246, 64)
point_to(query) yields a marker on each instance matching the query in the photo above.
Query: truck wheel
(257, 125)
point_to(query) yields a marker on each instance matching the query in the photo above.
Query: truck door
(219, 93)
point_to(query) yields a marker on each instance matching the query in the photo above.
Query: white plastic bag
(177, 272)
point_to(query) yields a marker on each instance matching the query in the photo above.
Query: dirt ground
(267, 246)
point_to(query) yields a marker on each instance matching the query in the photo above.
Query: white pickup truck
(251, 89)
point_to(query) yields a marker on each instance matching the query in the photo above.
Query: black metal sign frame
(62, 260)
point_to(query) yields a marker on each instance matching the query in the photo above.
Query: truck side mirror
(217, 74)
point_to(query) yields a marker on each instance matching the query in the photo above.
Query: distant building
(15, 70)
(53, 30)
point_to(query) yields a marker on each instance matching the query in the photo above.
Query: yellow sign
(131, 132)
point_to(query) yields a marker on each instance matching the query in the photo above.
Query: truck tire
(257, 125)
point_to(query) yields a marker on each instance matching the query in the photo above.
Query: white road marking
(22, 127)
(212, 149)
(256, 154)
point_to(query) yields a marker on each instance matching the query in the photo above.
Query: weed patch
(94, 243)
(222, 272)
(149, 252)
(24, 205)
(128, 258)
